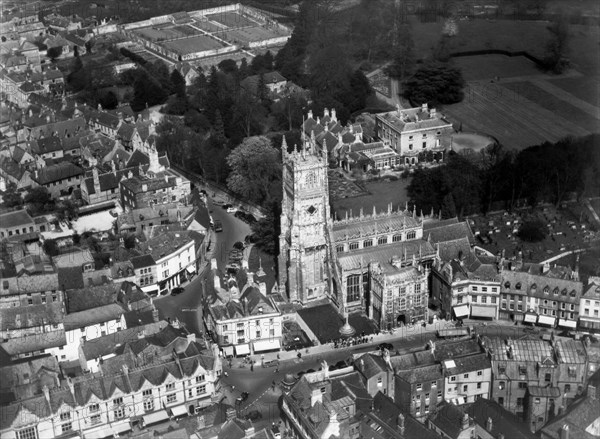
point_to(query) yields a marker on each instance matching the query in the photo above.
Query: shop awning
(180, 410)
(98, 433)
(266, 345)
(546, 320)
(242, 349)
(461, 311)
(228, 351)
(155, 417)
(589, 323)
(567, 323)
(530, 318)
(121, 428)
(483, 311)
(191, 269)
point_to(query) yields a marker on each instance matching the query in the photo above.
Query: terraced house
(100, 405)
(539, 294)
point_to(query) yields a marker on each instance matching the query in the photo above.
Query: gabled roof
(60, 171)
(18, 218)
(46, 145)
(100, 314)
(370, 365)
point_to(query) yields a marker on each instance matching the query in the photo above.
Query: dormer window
(555, 291)
(534, 287)
(518, 286)
(563, 292)
(507, 285)
(322, 389)
(546, 290)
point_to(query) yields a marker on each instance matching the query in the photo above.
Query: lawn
(554, 104)
(476, 68)
(380, 194)
(514, 120)
(232, 20)
(584, 88)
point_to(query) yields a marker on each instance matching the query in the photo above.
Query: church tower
(305, 255)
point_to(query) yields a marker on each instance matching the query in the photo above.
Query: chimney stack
(230, 413)
(564, 432)
(489, 425)
(400, 423)
(465, 421)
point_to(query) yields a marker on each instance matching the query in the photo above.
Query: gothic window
(417, 301)
(417, 288)
(411, 235)
(396, 238)
(402, 303)
(368, 243)
(354, 245)
(353, 287)
(382, 240)
(311, 179)
(339, 248)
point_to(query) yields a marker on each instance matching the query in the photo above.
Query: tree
(54, 52)
(11, 197)
(228, 66)
(448, 207)
(403, 54)
(51, 247)
(147, 91)
(39, 199)
(108, 100)
(558, 45)
(178, 83)
(435, 83)
(255, 167)
(532, 231)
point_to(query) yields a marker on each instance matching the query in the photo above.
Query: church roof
(384, 253)
(370, 225)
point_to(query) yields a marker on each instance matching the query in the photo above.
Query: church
(376, 263)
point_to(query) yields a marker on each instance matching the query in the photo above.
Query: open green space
(585, 88)
(193, 44)
(514, 120)
(232, 20)
(552, 103)
(379, 194)
(482, 67)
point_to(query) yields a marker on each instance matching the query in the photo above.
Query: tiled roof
(502, 420)
(36, 283)
(384, 253)
(445, 350)
(421, 374)
(109, 180)
(18, 218)
(447, 230)
(381, 223)
(73, 259)
(93, 316)
(165, 244)
(470, 363)
(70, 278)
(143, 261)
(62, 128)
(448, 419)
(572, 289)
(90, 297)
(143, 185)
(57, 172)
(46, 145)
(370, 365)
(31, 316)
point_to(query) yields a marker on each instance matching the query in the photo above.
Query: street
(187, 305)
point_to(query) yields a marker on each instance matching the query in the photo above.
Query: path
(394, 98)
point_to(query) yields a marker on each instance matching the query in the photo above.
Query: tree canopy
(255, 166)
(435, 83)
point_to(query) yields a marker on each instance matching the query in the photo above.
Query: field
(380, 194)
(251, 34)
(232, 19)
(158, 34)
(208, 26)
(482, 67)
(514, 120)
(187, 30)
(584, 88)
(192, 44)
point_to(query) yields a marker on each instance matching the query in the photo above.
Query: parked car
(243, 397)
(218, 226)
(226, 206)
(177, 291)
(231, 209)
(271, 363)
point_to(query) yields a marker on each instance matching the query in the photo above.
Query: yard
(199, 43)
(378, 193)
(481, 67)
(232, 20)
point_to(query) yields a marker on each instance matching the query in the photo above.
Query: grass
(552, 103)
(515, 121)
(380, 194)
(199, 43)
(232, 20)
(585, 88)
(482, 67)
(561, 236)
